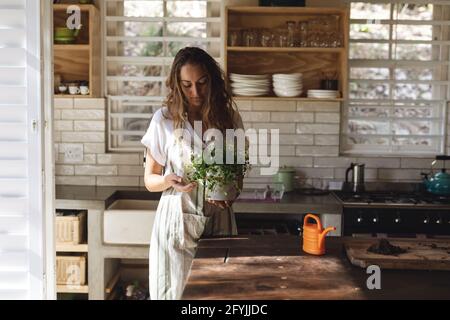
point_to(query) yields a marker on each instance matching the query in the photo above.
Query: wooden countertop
(275, 268)
(292, 203)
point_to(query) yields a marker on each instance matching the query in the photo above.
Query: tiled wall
(309, 141)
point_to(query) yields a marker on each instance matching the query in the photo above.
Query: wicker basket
(71, 270)
(71, 229)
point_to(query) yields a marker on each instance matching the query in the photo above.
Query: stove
(395, 210)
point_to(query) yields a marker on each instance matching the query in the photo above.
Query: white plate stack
(251, 85)
(323, 94)
(288, 85)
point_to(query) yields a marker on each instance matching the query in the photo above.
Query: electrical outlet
(74, 153)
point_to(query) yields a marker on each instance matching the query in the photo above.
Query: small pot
(286, 177)
(222, 193)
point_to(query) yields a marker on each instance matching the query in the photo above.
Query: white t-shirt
(160, 134)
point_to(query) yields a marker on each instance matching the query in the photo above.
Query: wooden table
(275, 267)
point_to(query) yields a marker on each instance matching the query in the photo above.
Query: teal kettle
(438, 183)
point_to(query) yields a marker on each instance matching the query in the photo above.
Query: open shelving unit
(310, 61)
(82, 59)
(71, 251)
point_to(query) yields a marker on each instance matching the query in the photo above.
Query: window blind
(20, 189)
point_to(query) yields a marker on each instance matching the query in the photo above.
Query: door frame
(49, 251)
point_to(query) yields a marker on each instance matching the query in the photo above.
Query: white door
(21, 186)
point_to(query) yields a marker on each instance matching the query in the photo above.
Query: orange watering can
(314, 235)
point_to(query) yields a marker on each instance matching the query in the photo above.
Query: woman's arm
(155, 181)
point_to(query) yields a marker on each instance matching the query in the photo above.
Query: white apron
(181, 219)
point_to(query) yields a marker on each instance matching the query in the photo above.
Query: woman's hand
(177, 183)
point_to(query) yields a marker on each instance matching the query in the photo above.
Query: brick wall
(309, 141)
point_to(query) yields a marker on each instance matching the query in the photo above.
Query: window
(398, 77)
(142, 37)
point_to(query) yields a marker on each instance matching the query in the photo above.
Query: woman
(197, 92)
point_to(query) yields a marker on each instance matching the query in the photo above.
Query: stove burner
(393, 198)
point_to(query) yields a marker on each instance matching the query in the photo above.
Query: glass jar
(291, 39)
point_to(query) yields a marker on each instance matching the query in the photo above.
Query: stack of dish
(323, 94)
(250, 84)
(288, 85)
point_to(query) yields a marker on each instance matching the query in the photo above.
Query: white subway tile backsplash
(287, 151)
(398, 175)
(131, 159)
(255, 116)
(56, 114)
(65, 147)
(324, 117)
(296, 162)
(94, 147)
(118, 181)
(318, 106)
(89, 125)
(292, 117)
(63, 125)
(309, 142)
(274, 105)
(56, 136)
(64, 170)
(326, 140)
(378, 162)
(412, 163)
(87, 159)
(89, 103)
(96, 170)
(62, 103)
(318, 128)
(83, 136)
(283, 127)
(131, 171)
(83, 115)
(327, 151)
(296, 139)
(333, 162)
(322, 173)
(75, 180)
(243, 105)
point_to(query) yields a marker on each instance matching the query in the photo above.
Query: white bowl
(287, 93)
(287, 76)
(287, 87)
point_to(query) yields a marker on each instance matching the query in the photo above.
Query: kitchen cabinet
(315, 63)
(80, 59)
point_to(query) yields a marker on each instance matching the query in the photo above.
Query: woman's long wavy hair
(218, 110)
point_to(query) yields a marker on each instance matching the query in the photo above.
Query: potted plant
(221, 180)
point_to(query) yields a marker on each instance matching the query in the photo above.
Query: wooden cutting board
(421, 254)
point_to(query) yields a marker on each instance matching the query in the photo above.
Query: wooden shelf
(72, 289)
(72, 247)
(64, 6)
(72, 47)
(284, 10)
(71, 96)
(82, 59)
(315, 63)
(285, 98)
(285, 49)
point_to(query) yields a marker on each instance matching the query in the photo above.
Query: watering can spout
(324, 233)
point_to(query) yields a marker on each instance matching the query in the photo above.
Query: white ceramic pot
(222, 193)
